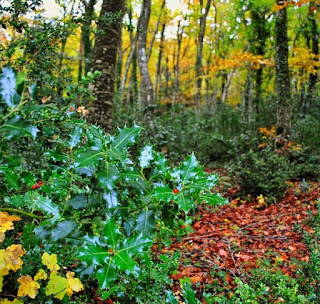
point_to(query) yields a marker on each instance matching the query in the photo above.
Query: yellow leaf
(41, 275)
(74, 284)
(27, 287)
(50, 260)
(6, 301)
(10, 259)
(6, 223)
(1, 283)
(57, 286)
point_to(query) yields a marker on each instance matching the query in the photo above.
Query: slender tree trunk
(104, 59)
(315, 50)
(226, 86)
(282, 78)
(80, 64)
(158, 73)
(167, 76)
(146, 89)
(203, 20)
(86, 31)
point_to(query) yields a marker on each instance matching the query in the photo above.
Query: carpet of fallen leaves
(234, 237)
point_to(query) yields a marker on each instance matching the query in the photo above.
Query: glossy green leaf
(145, 222)
(163, 194)
(134, 179)
(78, 202)
(108, 176)
(146, 156)
(107, 275)
(45, 204)
(188, 168)
(75, 136)
(18, 127)
(63, 229)
(111, 233)
(56, 156)
(189, 294)
(214, 199)
(8, 87)
(88, 158)
(12, 179)
(111, 199)
(125, 138)
(184, 202)
(123, 261)
(170, 298)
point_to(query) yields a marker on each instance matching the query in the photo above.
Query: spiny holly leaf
(188, 168)
(63, 229)
(111, 233)
(170, 298)
(163, 194)
(123, 261)
(146, 156)
(28, 287)
(75, 136)
(189, 294)
(6, 223)
(88, 158)
(42, 203)
(18, 127)
(125, 138)
(183, 202)
(12, 179)
(8, 87)
(78, 202)
(135, 244)
(161, 163)
(214, 199)
(57, 286)
(108, 176)
(51, 261)
(134, 179)
(93, 254)
(56, 156)
(111, 198)
(107, 275)
(145, 222)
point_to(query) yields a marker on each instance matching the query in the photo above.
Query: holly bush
(81, 194)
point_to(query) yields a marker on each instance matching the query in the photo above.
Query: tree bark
(146, 89)
(282, 78)
(104, 59)
(203, 20)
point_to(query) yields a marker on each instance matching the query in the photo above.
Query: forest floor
(236, 237)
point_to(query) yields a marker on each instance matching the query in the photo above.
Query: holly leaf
(78, 202)
(189, 294)
(163, 194)
(63, 229)
(146, 156)
(170, 298)
(214, 199)
(42, 203)
(112, 233)
(12, 179)
(75, 136)
(145, 222)
(134, 179)
(18, 127)
(107, 275)
(8, 87)
(183, 202)
(125, 138)
(88, 158)
(111, 198)
(188, 168)
(108, 176)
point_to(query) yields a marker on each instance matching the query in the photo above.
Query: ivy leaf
(188, 168)
(125, 138)
(163, 194)
(183, 202)
(146, 156)
(51, 261)
(75, 136)
(145, 222)
(6, 223)
(18, 127)
(8, 87)
(189, 294)
(170, 298)
(74, 284)
(88, 158)
(214, 199)
(28, 287)
(56, 286)
(10, 259)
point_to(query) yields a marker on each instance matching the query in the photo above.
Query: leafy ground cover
(228, 243)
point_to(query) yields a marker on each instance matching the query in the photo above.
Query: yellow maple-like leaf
(57, 286)
(50, 260)
(41, 275)
(1, 283)
(6, 223)
(6, 301)
(28, 287)
(74, 284)
(10, 259)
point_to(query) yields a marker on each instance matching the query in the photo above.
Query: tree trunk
(146, 89)
(282, 78)
(203, 20)
(315, 50)
(104, 59)
(86, 31)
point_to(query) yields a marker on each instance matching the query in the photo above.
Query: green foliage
(94, 202)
